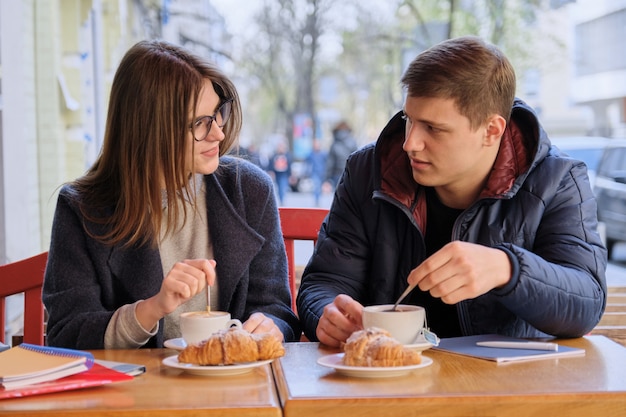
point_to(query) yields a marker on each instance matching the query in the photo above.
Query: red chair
(298, 224)
(25, 276)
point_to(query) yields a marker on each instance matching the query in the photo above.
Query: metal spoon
(404, 294)
(208, 298)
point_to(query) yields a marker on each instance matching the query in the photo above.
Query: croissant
(231, 346)
(376, 347)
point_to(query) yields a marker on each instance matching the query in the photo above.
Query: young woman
(163, 213)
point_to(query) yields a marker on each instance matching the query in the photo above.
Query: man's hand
(340, 319)
(461, 271)
(186, 279)
(260, 323)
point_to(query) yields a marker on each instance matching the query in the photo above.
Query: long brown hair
(472, 72)
(155, 88)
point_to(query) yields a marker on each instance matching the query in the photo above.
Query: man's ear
(494, 129)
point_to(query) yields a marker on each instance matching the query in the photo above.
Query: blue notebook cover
(466, 345)
(58, 351)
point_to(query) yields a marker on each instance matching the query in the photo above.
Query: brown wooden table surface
(161, 391)
(454, 385)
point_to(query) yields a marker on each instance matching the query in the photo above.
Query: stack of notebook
(31, 369)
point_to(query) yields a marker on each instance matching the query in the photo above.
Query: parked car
(588, 149)
(610, 191)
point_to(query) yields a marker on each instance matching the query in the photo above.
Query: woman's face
(205, 153)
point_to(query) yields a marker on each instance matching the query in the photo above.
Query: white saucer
(176, 344)
(336, 362)
(220, 370)
(419, 344)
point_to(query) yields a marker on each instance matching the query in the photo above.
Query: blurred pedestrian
(343, 145)
(316, 164)
(251, 154)
(280, 167)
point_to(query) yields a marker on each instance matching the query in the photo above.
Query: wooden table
(161, 391)
(454, 385)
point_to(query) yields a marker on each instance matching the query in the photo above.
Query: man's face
(444, 151)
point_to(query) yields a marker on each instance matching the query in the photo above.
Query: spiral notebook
(28, 364)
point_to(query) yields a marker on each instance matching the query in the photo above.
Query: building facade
(599, 63)
(57, 62)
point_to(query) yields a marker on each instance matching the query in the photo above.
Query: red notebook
(96, 376)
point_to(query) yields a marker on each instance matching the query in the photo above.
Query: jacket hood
(523, 145)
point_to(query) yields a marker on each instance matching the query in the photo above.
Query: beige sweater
(186, 241)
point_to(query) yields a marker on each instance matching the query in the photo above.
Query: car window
(613, 161)
(591, 156)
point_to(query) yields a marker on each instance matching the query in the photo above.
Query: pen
(520, 345)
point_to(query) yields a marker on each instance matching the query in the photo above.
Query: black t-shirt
(442, 318)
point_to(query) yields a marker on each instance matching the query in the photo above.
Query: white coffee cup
(196, 326)
(404, 324)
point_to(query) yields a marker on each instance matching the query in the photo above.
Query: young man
(463, 196)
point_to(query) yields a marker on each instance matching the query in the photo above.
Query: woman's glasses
(202, 126)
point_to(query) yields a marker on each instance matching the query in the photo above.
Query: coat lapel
(235, 243)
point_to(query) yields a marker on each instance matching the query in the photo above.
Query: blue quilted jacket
(538, 206)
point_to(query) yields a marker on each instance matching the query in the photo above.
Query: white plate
(220, 370)
(336, 362)
(176, 344)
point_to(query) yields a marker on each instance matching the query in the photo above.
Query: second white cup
(404, 324)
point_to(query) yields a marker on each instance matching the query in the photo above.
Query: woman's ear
(494, 129)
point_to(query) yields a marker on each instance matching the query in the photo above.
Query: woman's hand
(186, 279)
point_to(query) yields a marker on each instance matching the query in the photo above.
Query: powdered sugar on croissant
(376, 347)
(231, 346)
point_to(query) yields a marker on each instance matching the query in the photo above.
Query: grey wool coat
(87, 281)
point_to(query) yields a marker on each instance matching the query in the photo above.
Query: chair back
(25, 276)
(298, 223)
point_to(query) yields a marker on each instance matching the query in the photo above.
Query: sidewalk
(615, 275)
